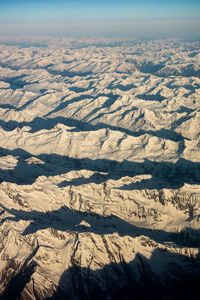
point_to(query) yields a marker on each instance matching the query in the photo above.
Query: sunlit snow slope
(99, 169)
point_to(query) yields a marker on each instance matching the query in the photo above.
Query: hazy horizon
(124, 19)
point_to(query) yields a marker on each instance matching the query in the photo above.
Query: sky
(144, 19)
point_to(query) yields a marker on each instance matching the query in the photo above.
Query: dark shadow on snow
(40, 123)
(156, 97)
(163, 174)
(65, 219)
(17, 82)
(78, 89)
(65, 103)
(177, 277)
(20, 277)
(122, 87)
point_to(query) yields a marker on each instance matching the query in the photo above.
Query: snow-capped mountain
(99, 169)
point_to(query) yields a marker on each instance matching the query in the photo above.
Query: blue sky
(109, 18)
